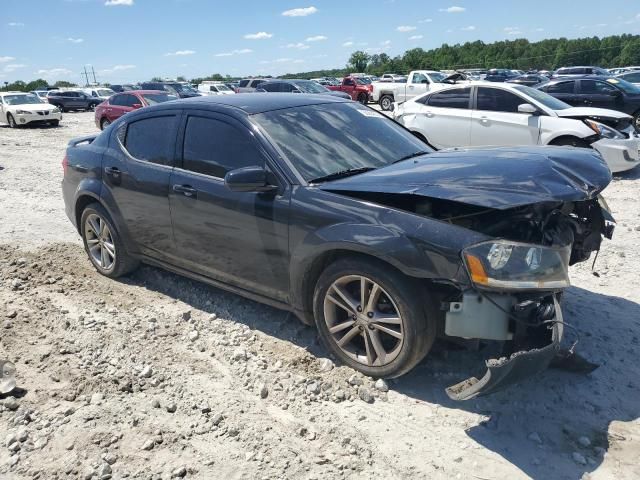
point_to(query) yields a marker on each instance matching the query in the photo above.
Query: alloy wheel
(363, 320)
(386, 104)
(100, 242)
(12, 121)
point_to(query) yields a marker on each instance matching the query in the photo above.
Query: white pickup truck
(418, 82)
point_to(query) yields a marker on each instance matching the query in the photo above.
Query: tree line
(608, 52)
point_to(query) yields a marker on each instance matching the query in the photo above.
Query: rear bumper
(620, 155)
(502, 372)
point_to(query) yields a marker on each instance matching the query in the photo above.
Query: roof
(14, 93)
(252, 103)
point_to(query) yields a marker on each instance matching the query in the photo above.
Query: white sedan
(19, 108)
(500, 114)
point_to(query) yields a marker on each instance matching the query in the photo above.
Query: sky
(134, 40)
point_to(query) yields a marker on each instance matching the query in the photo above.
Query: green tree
(64, 84)
(359, 61)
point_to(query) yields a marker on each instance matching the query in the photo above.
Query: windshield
(310, 87)
(438, 77)
(543, 98)
(25, 99)
(323, 139)
(179, 87)
(222, 88)
(105, 92)
(153, 98)
(625, 86)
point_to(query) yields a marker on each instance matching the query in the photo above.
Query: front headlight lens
(603, 130)
(513, 265)
(23, 112)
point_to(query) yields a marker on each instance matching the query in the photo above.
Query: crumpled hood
(497, 178)
(590, 112)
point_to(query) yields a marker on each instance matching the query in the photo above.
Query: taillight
(65, 164)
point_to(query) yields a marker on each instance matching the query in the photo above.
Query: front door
(240, 238)
(598, 94)
(136, 171)
(497, 122)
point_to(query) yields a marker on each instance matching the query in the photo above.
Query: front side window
(151, 139)
(349, 82)
(593, 87)
(270, 86)
(323, 139)
(213, 147)
(454, 98)
(128, 100)
(243, 83)
(419, 78)
(497, 100)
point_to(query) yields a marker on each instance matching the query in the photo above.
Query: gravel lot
(156, 376)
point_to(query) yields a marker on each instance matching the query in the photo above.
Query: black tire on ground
(61, 108)
(636, 121)
(55, 123)
(363, 98)
(386, 102)
(570, 142)
(122, 263)
(104, 123)
(413, 303)
(11, 121)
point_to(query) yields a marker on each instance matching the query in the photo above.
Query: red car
(120, 103)
(359, 90)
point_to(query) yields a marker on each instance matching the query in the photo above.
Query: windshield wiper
(341, 174)
(411, 155)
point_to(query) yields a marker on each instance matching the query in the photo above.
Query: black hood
(497, 178)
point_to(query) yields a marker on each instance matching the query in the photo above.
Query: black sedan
(299, 86)
(529, 79)
(329, 209)
(596, 91)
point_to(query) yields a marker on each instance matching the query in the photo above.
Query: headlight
(23, 112)
(513, 265)
(55, 110)
(603, 130)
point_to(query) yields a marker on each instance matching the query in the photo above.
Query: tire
(363, 98)
(11, 121)
(104, 247)
(399, 297)
(104, 123)
(55, 123)
(570, 142)
(92, 107)
(636, 121)
(386, 103)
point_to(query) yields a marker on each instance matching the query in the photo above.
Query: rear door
(136, 171)
(240, 238)
(497, 122)
(445, 117)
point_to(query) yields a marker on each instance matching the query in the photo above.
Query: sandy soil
(156, 376)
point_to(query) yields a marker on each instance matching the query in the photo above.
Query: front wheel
(103, 244)
(636, 121)
(11, 121)
(55, 123)
(373, 318)
(104, 123)
(362, 98)
(386, 103)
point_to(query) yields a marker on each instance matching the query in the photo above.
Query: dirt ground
(156, 376)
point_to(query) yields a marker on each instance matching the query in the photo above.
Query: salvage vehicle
(67, 100)
(579, 72)
(503, 114)
(20, 108)
(120, 103)
(331, 210)
(214, 88)
(418, 82)
(178, 89)
(298, 86)
(249, 85)
(359, 89)
(101, 93)
(603, 92)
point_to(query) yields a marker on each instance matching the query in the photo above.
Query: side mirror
(137, 105)
(527, 108)
(248, 179)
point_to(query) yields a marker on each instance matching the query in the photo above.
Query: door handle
(112, 171)
(186, 190)
(429, 115)
(484, 120)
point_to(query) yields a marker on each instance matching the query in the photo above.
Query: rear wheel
(373, 318)
(386, 102)
(61, 108)
(104, 123)
(103, 244)
(11, 121)
(362, 98)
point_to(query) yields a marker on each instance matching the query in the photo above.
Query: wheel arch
(560, 137)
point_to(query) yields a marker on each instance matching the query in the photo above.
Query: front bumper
(620, 154)
(33, 118)
(502, 372)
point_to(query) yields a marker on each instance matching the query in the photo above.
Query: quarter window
(454, 98)
(497, 100)
(152, 139)
(213, 147)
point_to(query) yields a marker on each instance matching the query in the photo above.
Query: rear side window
(497, 100)
(454, 98)
(213, 147)
(562, 87)
(243, 83)
(152, 139)
(255, 83)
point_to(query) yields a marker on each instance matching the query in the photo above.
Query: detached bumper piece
(506, 371)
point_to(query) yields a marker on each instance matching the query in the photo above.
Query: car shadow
(632, 174)
(537, 425)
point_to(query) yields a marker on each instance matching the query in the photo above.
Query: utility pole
(94, 75)
(86, 76)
